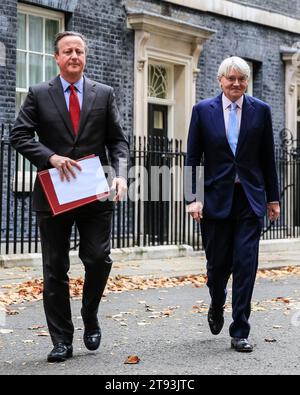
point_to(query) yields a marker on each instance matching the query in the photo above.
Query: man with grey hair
(234, 133)
(73, 117)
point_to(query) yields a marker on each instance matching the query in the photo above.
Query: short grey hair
(235, 63)
(61, 35)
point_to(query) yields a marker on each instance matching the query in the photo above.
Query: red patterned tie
(74, 109)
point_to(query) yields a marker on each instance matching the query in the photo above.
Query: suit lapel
(57, 94)
(89, 95)
(218, 121)
(247, 117)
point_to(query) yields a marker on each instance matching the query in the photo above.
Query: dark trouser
(94, 223)
(231, 247)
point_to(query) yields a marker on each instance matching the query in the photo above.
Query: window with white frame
(160, 83)
(35, 62)
(161, 91)
(37, 28)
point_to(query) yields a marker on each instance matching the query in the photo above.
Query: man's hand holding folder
(65, 166)
(86, 183)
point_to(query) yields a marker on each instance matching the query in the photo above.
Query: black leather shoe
(92, 339)
(241, 345)
(216, 320)
(60, 353)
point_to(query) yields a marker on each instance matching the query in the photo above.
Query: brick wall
(8, 26)
(59, 5)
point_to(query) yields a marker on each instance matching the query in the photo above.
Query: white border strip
(242, 12)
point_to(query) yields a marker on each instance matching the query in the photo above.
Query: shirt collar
(227, 103)
(78, 85)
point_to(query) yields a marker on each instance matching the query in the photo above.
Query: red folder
(46, 182)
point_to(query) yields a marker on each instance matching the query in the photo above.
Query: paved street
(167, 329)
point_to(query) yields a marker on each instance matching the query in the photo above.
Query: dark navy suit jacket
(254, 162)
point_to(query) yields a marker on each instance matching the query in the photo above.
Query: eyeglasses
(69, 52)
(232, 79)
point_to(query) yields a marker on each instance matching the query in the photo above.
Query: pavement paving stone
(177, 344)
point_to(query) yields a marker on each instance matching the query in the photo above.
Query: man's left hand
(120, 186)
(273, 211)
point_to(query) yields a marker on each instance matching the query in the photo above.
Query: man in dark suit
(234, 133)
(73, 117)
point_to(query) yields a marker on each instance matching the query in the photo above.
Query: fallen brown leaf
(43, 334)
(33, 290)
(132, 360)
(36, 327)
(12, 312)
(282, 299)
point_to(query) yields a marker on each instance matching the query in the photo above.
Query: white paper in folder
(90, 181)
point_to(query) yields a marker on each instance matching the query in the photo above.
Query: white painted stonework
(242, 12)
(179, 44)
(292, 83)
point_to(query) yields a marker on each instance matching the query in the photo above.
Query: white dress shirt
(226, 110)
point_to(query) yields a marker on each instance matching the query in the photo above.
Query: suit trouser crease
(219, 266)
(231, 247)
(245, 264)
(95, 255)
(95, 231)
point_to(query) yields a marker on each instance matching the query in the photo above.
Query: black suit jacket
(45, 113)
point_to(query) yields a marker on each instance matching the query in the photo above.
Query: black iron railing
(155, 213)
(287, 154)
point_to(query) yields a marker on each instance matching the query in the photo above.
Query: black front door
(157, 212)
